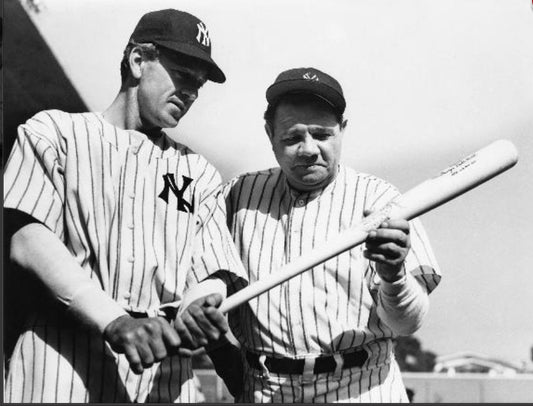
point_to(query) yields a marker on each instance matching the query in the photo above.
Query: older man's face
(306, 139)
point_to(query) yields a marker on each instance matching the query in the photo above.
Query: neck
(124, 111)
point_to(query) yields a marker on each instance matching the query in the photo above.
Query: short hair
(294, 98)
(149, 52)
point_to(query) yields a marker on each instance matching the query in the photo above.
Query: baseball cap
(307, 80)
(181, 32)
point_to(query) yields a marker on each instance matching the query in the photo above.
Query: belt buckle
(339, 365)
(308, 373)
(265, 373)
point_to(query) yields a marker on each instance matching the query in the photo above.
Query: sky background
(426, 84)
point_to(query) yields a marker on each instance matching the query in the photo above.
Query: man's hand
(201, 322)
(388, 247)
(144, 341)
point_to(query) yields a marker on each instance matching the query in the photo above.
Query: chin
(170, 122)
(313, 178)
(311, 183)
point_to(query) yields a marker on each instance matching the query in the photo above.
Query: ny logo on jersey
(310, 76)
(170, 184)
(203, 35)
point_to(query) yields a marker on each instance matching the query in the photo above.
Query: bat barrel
(457, 179)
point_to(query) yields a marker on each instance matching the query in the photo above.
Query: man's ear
(135, 59)
(269, 131)
(344, 124)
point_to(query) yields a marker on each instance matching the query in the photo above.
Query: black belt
(169, 313)
(323, 363)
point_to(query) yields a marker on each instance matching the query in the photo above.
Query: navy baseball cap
(181, 32)
(307, 80)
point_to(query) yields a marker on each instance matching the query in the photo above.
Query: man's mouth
(308, 166)
(178, 103)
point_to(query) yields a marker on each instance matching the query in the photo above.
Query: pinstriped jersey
(139, 213)
(332, 307)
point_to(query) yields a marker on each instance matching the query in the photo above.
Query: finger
(210, 330)
(398, 224)
(183, 332)
(390, 249)
(169, 335)
(134, 359)
(190, 321)
(158, 349)
(218, 320)
(387, 235)
(146, 354)
(375, 257)
(185, 352)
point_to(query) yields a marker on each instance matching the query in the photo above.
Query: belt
(322, 363)
(166, 312)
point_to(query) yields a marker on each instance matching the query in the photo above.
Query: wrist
(400, 287)
(93, 307)
(391, 274)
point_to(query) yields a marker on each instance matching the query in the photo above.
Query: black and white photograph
(267, 201)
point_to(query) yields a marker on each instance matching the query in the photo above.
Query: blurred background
(426, 84)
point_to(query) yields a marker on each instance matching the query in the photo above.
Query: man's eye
(321, 135)
(290, 140)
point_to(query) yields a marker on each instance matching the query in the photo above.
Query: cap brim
(214, 74)
(276, 90)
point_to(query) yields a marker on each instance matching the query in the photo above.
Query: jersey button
(132, 195)
(300, 202)
(127, 295)
(131, 258)
(131, 226)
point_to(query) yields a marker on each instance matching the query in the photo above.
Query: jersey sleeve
(214, 251)
(420, 261)
(33, 176)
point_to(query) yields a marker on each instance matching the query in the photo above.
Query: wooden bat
(453, 181)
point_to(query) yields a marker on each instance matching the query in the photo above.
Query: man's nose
(309, 147)
(190, 94)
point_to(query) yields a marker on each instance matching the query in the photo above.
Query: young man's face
(306, 140)
(168, 87)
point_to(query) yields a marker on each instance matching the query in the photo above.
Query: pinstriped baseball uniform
(141, 218)
(328, 310)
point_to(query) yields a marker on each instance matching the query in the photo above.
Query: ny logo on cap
(310, 76)
(203, 35)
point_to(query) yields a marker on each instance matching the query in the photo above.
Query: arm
(144, 341)
(402, 304)
(224, 353)
(216, 270)
(34, 184)
(402, 301)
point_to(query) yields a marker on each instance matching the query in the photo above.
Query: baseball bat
(451, 182)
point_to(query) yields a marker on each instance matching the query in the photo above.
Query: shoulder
(255, 177)
(203, 173)
(194, 162)
(55, 119)
(369, 181)
(368, 190)
(53, 127)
